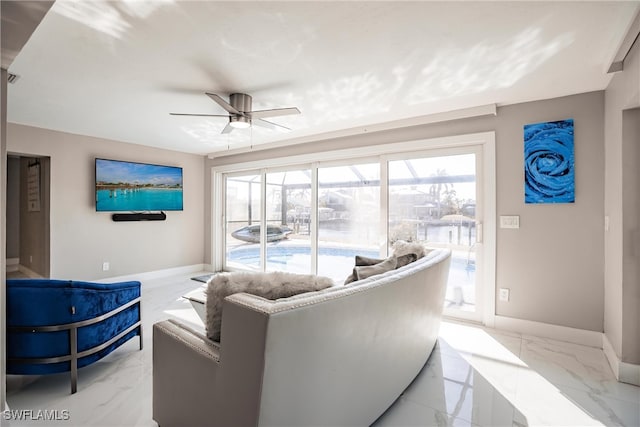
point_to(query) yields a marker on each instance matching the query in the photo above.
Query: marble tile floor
(475, 377)
(16, 275)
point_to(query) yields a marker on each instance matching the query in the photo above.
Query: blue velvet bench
(58, 326)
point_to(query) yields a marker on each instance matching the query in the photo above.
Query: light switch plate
(509, 221)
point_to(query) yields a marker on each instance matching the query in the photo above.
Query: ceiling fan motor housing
(241, 102)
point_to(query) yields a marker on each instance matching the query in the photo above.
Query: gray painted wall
(81, 238)
(3, 234)
(622, 288)
(19, 20)
(554, 263)
(34, 225)
(13, 207)
(631, 236)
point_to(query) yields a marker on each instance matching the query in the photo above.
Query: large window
(314, 218)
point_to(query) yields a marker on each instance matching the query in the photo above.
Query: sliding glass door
(314, 218)
(433, 200)
(348, 217)
(288, 218)
(243, 199)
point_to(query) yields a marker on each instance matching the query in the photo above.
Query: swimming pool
(334, 262)
(337, 262)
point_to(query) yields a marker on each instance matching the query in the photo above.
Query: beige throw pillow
(363, 272)
(365, 261)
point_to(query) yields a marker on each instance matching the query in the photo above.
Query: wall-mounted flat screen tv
(137, 187)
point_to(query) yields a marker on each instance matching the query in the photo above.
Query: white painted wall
(554, 263)
(81, 238)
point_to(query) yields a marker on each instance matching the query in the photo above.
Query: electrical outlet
(30, 259)
(105, 266)
(504, 294)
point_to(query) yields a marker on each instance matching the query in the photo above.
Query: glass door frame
(477, 150)
(220, 257)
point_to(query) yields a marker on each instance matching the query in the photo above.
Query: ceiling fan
(240, 114)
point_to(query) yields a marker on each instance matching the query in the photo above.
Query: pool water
(337, 262)
(334, 262)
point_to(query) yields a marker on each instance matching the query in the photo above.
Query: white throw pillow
(271, 285)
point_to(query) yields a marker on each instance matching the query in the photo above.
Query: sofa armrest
(185, 369)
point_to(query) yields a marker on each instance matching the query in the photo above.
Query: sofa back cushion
(272, 285)
(46, 302)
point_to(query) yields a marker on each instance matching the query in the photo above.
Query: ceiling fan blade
(261, 114)
(228, 128)
(224, 104)
(198, 115)
(270, 125)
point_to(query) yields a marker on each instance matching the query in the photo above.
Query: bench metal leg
(74, 359)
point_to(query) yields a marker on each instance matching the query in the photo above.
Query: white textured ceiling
(117, 69)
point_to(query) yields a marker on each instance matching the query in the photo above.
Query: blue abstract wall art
(549, 175)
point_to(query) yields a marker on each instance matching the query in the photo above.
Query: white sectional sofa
(336, 357)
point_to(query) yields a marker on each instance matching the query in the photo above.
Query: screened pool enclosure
(315, 219)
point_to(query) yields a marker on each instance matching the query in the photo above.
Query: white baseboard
(611, 356)
(149, 275)
(547, 330)
(13, 264)
(629, 373)
(625, 372)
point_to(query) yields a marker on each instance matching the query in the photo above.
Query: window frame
(485, 141)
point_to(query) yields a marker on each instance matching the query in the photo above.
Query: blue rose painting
(549, 162)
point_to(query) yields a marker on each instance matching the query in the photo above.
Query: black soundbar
(139, 216)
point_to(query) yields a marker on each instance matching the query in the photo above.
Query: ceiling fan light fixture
(239, 122)
(241, 116)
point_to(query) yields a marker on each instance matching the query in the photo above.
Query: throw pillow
(351, 278)
(370, 270)
(366, 261)
(402, 248)
(361, 260)
(271, 285)
(406, 259)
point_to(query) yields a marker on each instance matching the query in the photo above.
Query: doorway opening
(28, 210)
